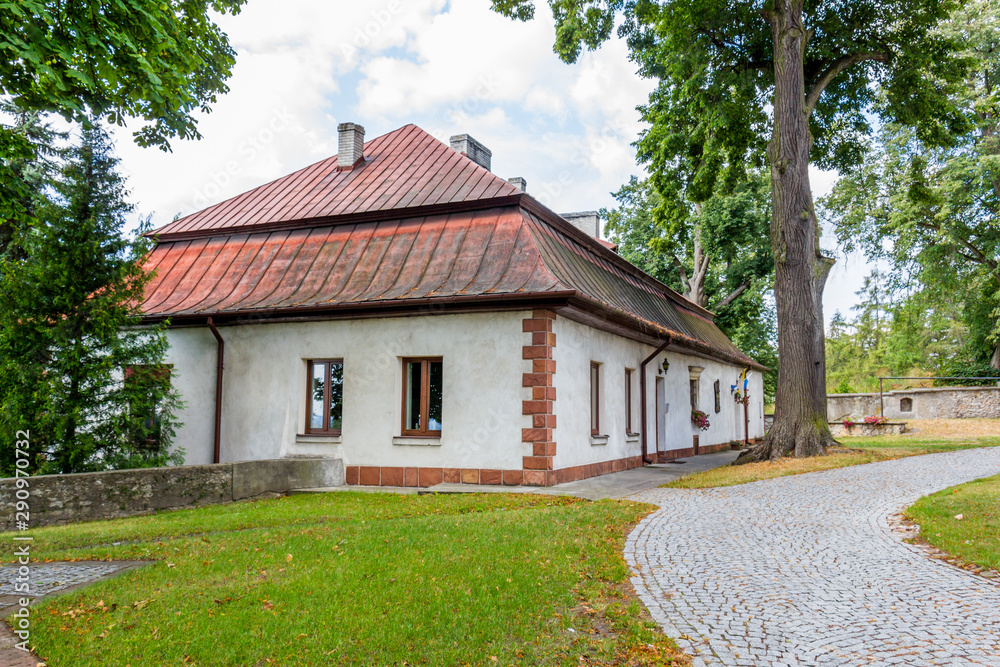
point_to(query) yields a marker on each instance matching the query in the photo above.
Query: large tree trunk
(800, 425)
(821, 270)
(695, 292)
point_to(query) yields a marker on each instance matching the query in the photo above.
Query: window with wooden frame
(628, 401)
(718, 397)
(595, 398)
(422, 396)
(325, 396)
(145, 385)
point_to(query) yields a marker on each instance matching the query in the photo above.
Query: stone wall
(838, 430)
(929, 403)
(59, 499)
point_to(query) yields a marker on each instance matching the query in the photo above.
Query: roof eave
(388, 308)
(656, 331)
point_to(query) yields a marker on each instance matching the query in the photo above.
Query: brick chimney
(472, 149)
(588, 222)
(350, 145)
(519, 183)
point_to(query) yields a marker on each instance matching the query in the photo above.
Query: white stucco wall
(264, 389)
(192, 353)
(577, 345)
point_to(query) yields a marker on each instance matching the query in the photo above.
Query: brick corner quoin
(540, 408)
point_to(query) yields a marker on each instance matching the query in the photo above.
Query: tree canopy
(154, 60)
(932, 212)
(719, 257)
(784, 83)
(710, 117)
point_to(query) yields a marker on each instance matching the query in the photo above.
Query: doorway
(661, 415)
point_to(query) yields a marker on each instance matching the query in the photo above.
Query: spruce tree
(83, 375)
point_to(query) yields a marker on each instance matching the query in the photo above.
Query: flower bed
(870, 426)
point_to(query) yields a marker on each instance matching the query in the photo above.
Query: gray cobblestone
(804, 570)
(49, 578)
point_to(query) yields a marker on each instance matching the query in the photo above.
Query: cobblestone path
(804, 570)
(54, 577)
(46, 579)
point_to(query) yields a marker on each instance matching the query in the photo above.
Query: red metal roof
(484, 253)
(404, 169)
(609, 280)
(492, 243)
(476, 253)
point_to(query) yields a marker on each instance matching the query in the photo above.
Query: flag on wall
(744, 380)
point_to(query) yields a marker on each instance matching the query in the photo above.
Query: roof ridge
(321, 192)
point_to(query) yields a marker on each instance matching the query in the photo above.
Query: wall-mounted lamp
(665, 367)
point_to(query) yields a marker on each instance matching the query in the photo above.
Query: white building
(400, 307)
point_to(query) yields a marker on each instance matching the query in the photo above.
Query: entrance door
(661, 415)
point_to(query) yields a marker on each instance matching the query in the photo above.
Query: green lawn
(356, 578)
(975, 538)
(855, 451)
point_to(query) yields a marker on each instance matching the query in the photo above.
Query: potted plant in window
(700, 419)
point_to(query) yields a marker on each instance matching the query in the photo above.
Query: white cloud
(449, 58)
(566, 128)
(543, 101)
(305, 65)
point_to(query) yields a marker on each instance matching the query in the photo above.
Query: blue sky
(303, 66)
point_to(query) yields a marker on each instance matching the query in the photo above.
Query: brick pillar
(541, 407)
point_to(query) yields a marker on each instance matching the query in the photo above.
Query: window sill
(317, 438)
(598, 439)
(632, 437)
(418, 441)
